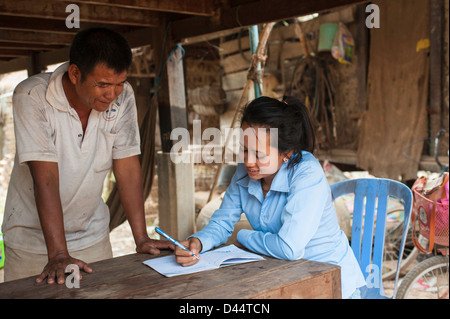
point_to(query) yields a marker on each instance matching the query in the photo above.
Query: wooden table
(126, 277)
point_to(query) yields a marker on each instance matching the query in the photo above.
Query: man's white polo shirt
(47, 128)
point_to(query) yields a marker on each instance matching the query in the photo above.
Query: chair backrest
(369, 222)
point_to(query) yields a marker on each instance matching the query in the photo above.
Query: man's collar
(55, 95)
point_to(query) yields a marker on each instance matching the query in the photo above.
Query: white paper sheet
(213, 259)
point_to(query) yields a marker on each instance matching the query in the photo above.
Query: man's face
(100, 87)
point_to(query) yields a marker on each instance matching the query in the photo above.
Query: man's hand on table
(56, 268)
(153, 246)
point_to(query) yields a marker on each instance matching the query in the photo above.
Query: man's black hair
(100, 45)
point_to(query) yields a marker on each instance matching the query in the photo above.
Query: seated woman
(283, 191)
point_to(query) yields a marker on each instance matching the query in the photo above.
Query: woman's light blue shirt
(296, 220)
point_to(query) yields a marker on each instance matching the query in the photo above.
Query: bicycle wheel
(428, 280)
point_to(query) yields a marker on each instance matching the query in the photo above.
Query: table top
(127, 277)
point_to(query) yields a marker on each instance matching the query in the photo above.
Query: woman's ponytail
(290, 117)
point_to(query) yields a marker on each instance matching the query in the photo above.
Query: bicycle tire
(421, 269)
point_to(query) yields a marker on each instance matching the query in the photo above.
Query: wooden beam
(54, 56)
(363, 43)
(348, 157)
(36, 66)
(52, 9)
(138, 38)
(191, 7)
(252, 13)
(14, 52)
(209, 36)
(29, 46)
(40, 60)
(58, 53)
(13, 65)
(436, 66)
(35, 37)
(33, 24)
(40, 24)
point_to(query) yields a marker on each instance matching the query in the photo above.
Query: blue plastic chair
(368, 243)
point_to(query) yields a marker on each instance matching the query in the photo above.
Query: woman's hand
(186, 258)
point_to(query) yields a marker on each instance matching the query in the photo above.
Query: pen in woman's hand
(173, 241)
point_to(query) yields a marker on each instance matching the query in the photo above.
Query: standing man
(71, 127)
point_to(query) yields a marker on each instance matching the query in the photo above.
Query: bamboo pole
(301, 36)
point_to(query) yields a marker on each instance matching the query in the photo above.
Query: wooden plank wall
(397, 90)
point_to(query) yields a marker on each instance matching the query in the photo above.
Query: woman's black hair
(100, 45)
(290, 117)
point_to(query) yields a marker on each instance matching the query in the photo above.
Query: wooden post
(436, 67)
(362, 41)
(35, 66)
(177, 93)
(160, 53)
(175, 180)
(176, 195)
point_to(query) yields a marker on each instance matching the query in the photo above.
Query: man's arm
(46, 190)
(127, 172)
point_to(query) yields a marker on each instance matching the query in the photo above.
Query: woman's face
(259, 151)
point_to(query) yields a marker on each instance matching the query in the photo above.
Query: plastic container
(327, 33)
